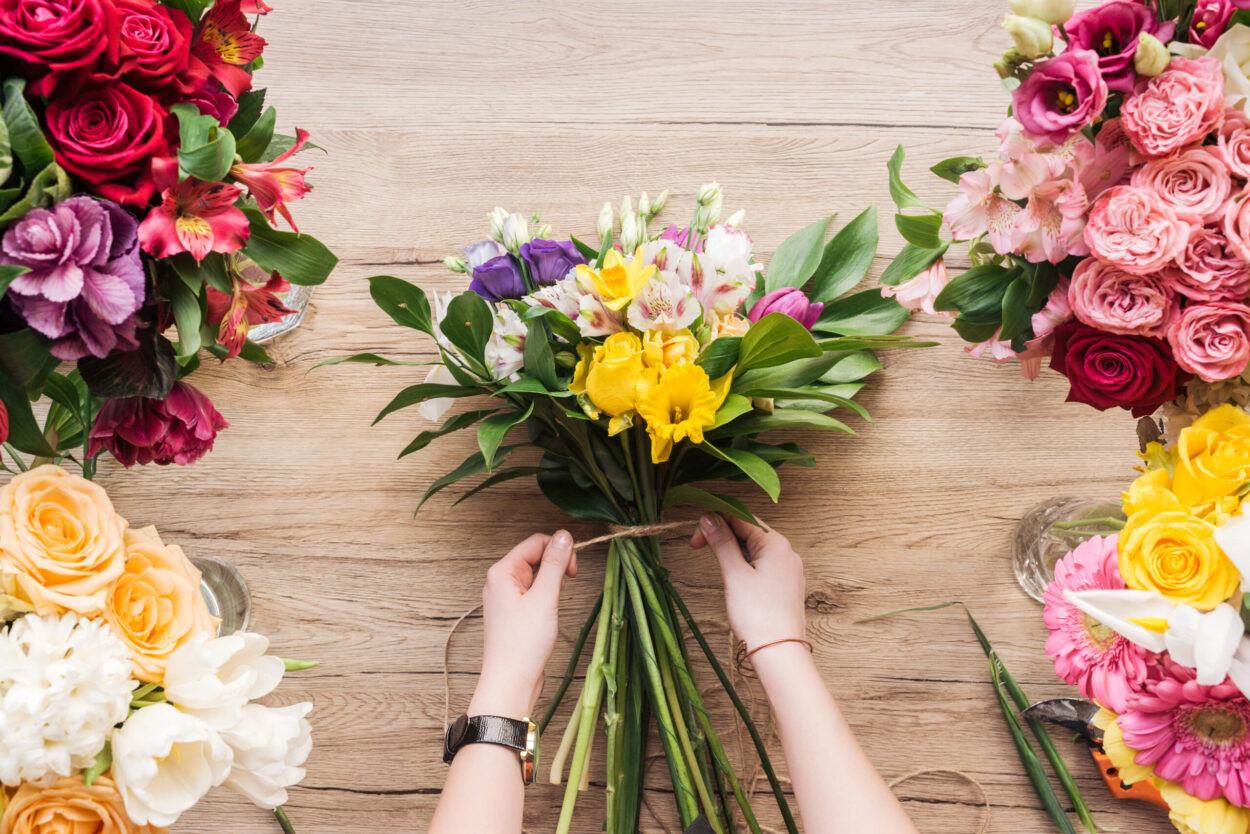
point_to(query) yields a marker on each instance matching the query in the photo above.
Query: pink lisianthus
(1207, 269)
(1210, 19)
(1234, 142)
(920, 292)
(980, 208)
(1134, 230)
(1052, 225)
(1237, 225)
(1095, 659)
(1061, 95)
(1104, 296)
(1194, 735)
(1176, 108)
(1212, 340)
(178, 429)
(196, 217)
(1111, 31)
(1195, 183)
(273, 186)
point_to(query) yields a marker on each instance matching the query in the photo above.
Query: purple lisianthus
(790, 301)
(86, 279)
(550, 260)
(479, 253)
(498, 278)
(1111, 31)
(1061, 95)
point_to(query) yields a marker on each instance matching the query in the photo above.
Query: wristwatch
(521, 736)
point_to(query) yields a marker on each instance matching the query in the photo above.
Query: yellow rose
(1174, 553)
(1212, 457)
(666, 351)
(60, 540)
(156, 605)
(617, 374)
(730, 325)
(70, 807)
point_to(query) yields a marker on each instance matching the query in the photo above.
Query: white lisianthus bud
(644, 205)
(456, 264)
(606, 220)
(544, 231)
(630, 237)
(1152, 56)
(708, 193)
(735, 219)
(707, 212)
(660, 202)
(1050, 11)
(627, 208)
(497, 219)
(516, 233)
(1032, 36)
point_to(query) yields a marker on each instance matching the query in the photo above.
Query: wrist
(502, 695)
(780, 659)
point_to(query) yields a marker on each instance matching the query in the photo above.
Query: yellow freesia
(1212, 457)
(1174, 552)
(618, 281)
(680, 406)
(666, 351)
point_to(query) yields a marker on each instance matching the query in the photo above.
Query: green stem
(571, 671)
(283, 821)
(683, 735)
(1078, 524)
(612, 711)
(9, 447)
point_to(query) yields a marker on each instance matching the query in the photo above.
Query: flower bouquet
(120, 708)
(636, 371)
(140, 178)
(1111, 235)
(1151, 625)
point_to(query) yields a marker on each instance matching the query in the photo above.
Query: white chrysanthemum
(64, 685)
(1199, 398)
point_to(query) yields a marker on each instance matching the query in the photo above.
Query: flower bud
(660, 202)
(1050, 11)
(631, 231)
(566, 360)
(708, 193)
(644, 205)
(707, 210)
(497, 218)
(516, 233)
(606, 220)
(735, 219)
(1032, 37)
(1152, 56)
(1008, 66)
(627, 207)
(544, 231)
(457, 264)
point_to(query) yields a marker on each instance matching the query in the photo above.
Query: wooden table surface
(431, 114)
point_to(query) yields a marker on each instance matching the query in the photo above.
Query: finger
(518, 567)
(556, 559)
(759, 541)
(724, 544)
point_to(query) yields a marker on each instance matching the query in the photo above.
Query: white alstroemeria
(593, 318)
(505, 351)
(564, 295)
(165, 761)
(270, 746)
(664, 304)
(434, 410)
(1233, 537)
(1204, 641)
(724, 275)
(212, 678)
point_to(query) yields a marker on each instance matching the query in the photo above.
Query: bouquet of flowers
(120, 707)
(1151, 624)
(637, 370)
(1111, 235)
(140, 179)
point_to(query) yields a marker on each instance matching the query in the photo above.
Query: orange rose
(61, 542)
(70, 807)
(156, 605)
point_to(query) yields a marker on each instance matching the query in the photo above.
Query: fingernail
(562, 541)
(710, 522)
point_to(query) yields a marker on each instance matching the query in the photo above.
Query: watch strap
(489, 729)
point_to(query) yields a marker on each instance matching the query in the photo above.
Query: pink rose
(1106, 297)
(1237, 225)
(1132, 228)
(1207, 271)
(1234, 142)
(1211, 340)
(1196, 183)
(1176, 108)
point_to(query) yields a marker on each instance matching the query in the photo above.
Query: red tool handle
(1143, 790)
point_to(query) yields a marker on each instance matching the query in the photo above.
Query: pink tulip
(790, 301)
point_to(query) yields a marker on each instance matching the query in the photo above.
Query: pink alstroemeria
(196, 217)
(981, 208)
(920, 292)
(273, 186)
(1052, 225)
(246, 307)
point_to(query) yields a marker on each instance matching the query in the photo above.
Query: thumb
(555, 564)
(724, 545)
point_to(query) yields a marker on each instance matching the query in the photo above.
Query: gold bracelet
(778, 643)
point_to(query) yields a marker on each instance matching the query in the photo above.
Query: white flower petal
(1117, 609)
(1233, 537)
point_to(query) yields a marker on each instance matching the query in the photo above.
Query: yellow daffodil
(1212, 457)
(618, 281)
(612, 377)
(666, 351)
(680, 406)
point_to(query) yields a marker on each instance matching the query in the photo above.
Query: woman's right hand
(765, 590)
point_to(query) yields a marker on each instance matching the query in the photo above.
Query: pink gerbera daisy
(1102, 664)
(1196, 736)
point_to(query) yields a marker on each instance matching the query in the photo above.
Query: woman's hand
(765, 591)
(520, 610)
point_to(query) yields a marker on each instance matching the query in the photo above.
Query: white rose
(165, 761)
(1232, 50)
(270, 747)
(212, 678)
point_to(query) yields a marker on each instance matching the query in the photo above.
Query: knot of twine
(641, 531)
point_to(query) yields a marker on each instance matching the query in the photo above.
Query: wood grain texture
(431, 113)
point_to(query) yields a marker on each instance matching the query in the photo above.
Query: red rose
(108, 135)
(1105, 370)
(149, 44)
(53, 36)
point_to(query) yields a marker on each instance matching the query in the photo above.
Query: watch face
(455, 737)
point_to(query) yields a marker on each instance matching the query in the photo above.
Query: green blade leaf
(797, 257)
(910, 262)
(206, 149)
(865, 313)
(509, 473)
(472, 465)
(251, 104)
(495, 428)
(24, 134)
(902, 196)
(720, 356)
(405, 303)
(1016, 314)
(978, 292)
(253, 144)
(300, 259)
(847, 258)
(468, 325)
(189, 316)
(414, 394)
(540, 362)
(685, 493)
(368, 359)
(575, 496)
(753, 466)
(775, 340)
(955, 167)
(780, 420)
(924, 231)
(453, 424)
(51, 185)
(103, 761)
(735, 406)
(852, 367)
(24, 431)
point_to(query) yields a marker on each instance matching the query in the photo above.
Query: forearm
(837, 788)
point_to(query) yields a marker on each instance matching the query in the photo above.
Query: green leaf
(540, 362)
(852, 367)
(1016, 315)
(369, 359)
(280, 144)
(253, 144)
(6, 156)
(588, 252)
(251, 104)
(210, 271)
(64, 393)
(414, 394)
(577, 497)
(735, 406)
(910, 262)
(789, 375)
(753, 466)
(473, 465)
(720, 356)
(206, 149)
(797, 257)
(978, 292)
(725, 504)
(300, 259)
(783, 419)
(812, 395)
(560, 324)
(509, 473)
(103, 761)
(495, 428)
(24, 431)
(51, 185)
(193, 9)
(955, 167)
(25, 137)
(902, 196)
(847, 258)
(189, 316)
(468, 325)
(453, 424)
(775, 340)
(974, 331)
(923, 231)
(23, 356)
(8, 273)
(148, 371)
(405, 303)
(865, 313)
(529, 385)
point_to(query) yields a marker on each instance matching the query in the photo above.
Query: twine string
(641, 531)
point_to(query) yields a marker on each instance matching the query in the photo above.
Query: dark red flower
(53, 36)
(246, 307)
(1106, 370)
(178, 429)
(149, 44)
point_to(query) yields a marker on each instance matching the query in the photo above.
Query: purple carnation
(550, 260)
(86, 278)
(1111, 31)
(1061, 95)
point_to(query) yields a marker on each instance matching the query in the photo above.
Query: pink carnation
(920, 292)
(1206, 270)
(1234, 142)
(1212, 340)
(1103, 665)
(1237, 225)
(1196, 183)
(1106, 297)
(1176, 108)
(1133, 229)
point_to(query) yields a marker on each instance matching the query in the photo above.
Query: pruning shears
(1078, 716)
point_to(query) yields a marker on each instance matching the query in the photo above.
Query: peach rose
(1234, 142)
(156, 605)
(1176, 108)
(70, 807)
(1212, 340)
(1206, 270)
(1237, 225)
(1133, 229)
(60, 540)
(1106, 297)
(1195, 183)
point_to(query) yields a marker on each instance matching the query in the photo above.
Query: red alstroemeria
(196, 217)
(244, 308)
(256, 7)
(226, 44)
(272, 186)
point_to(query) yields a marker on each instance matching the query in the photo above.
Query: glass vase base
(1049, 531)
(225, 593)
